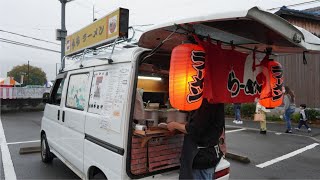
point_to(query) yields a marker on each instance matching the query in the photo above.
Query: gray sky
(40, 18)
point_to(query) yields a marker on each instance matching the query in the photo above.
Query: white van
(88, 122)
(93, 139)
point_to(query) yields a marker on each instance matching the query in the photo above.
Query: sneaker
(235, 121)
(239, 122)
(263, 132)
(309, 130)
(288, 131)
(298, 129)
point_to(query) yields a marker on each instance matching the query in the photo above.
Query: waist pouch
(207, 157)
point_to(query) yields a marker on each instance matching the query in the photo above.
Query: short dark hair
(303, 105)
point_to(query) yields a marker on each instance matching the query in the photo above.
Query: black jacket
(204, 129)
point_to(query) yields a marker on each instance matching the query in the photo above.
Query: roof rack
(105, 49)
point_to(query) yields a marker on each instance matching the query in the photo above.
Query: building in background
(8, 82)
(304, 79)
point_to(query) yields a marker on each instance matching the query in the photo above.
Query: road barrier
(21, 98)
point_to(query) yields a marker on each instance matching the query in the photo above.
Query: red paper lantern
(271, 95)
(186, 77)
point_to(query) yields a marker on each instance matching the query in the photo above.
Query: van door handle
(58, 115)
(62, 116)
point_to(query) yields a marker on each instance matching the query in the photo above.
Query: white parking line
(286, 156)
(23, 142)
(8, 168)
(236, 130)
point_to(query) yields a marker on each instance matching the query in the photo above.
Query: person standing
(200, 152)
(303, 118)
(263, 124)
(289, 107)
(237, 113)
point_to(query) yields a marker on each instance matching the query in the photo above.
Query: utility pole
(93, 13)
(28, 73)
(57, 68)
(61, 34)
(63, 30)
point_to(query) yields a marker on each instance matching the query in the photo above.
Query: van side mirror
(46, 97)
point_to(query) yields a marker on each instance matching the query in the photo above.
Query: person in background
(289, 107)
(237, 113)
(263, 124)
(200, 152)
(303, 118)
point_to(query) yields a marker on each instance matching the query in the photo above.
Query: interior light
(150, 78)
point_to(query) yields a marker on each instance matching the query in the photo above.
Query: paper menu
(109, 94)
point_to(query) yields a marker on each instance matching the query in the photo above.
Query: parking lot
(273, 156)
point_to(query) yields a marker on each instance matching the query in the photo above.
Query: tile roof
(308, 14)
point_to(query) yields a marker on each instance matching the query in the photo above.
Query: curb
(236, 157)
(314, 125)
(29, 150)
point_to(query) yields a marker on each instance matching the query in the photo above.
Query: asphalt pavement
(1, 167)
(283, 156)
(276, 127)
(22, 129)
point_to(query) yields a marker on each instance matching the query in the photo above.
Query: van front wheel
(46, 155)
(99, 176)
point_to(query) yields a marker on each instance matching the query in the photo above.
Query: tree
(36, 75)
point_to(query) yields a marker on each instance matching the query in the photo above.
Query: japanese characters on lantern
(271, 95)
(186, 77)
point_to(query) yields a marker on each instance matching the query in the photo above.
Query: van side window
(77, 91)
(57, 92)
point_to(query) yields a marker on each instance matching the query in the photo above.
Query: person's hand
(171, 126)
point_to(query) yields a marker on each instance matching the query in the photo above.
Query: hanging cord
(254, 59)
(269, 53)
(305, 62)
(159, 45)
(232, 45)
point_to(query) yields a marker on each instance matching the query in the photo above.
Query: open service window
(153, 148)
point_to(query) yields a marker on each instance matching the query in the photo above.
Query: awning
(250, 29)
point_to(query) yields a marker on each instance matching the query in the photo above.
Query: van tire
(46, 155)
(100, 175)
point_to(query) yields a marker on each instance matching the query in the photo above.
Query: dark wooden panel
(304, 80)
(311, 25)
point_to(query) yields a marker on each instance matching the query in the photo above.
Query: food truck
(105, 112)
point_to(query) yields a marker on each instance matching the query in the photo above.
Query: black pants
(302, 122)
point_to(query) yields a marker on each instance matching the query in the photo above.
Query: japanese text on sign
(102, 31)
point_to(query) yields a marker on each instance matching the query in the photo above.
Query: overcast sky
(40, 18)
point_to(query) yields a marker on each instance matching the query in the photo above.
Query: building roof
(314, 9)
(308, 14)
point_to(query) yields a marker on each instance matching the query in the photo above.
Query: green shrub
(295, 117)
(248, 110)
(312, 114)
(228, 110)
(273, 118)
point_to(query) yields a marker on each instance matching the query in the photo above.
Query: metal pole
(56, 68)
(28, 73)
(64, 30)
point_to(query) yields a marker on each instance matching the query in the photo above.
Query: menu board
(108, 95)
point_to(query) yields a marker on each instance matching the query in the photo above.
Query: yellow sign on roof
(100, 32)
